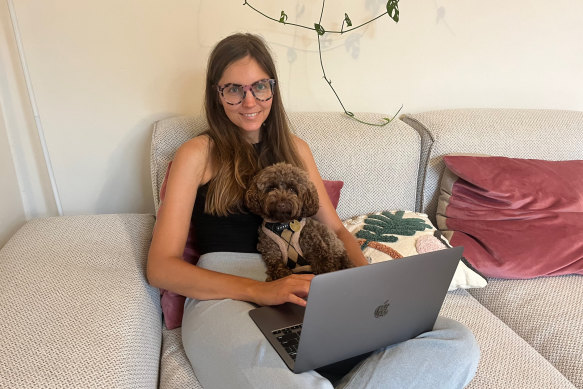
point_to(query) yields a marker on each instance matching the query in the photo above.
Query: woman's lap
(227, 349)
(223, 344)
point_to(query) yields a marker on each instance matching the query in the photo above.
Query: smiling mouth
(250, 115)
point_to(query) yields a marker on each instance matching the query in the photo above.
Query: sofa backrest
(379, 165)
(167, 136)
(515, 133)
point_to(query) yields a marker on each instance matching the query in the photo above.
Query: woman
(248, 130)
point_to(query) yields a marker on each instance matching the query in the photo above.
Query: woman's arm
(327, 214)
(166, 269)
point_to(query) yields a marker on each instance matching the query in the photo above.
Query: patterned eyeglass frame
(246, 88)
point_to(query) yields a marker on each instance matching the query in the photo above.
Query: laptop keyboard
(289, 338)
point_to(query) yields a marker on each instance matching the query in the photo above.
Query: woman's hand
(292, 289)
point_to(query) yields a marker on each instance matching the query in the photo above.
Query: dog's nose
(283, 206)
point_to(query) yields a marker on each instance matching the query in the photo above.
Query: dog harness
(287, 237)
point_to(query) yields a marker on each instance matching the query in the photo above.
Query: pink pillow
(333, 189)
(172, 303)
(516, 218)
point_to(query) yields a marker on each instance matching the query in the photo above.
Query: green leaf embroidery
(393, 9)
(380, 228)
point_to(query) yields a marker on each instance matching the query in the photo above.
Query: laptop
(355, 311)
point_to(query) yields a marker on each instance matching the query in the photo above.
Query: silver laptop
(355, 311)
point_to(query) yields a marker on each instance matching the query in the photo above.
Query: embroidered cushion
(516, 218)
(397, 234)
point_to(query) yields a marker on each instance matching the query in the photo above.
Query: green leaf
(283, 17)
(347, 20)
(319, 29)
(384, 227)
(393, 9)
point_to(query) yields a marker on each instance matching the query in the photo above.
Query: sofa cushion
(396, 234)
(378, 165)
(516, 133)
(547, 313)
(77, 310)
(175, 368)
(167, 136)
(516, 218)
(507, 360)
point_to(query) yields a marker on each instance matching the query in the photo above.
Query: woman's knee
(464, 343)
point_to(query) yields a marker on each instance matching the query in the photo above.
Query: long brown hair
(236, 159)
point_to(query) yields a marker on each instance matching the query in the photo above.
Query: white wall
(103, 71)
(25, 188)
(11, 210)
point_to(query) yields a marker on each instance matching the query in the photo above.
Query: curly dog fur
(282, 193)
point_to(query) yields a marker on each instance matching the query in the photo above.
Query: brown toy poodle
(290, 241)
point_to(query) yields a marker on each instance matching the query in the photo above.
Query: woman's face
(250, 114)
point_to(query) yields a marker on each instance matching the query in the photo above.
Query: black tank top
(233, 233)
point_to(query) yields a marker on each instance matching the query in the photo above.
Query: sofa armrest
(77, 309)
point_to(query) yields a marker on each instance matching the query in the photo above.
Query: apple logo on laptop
(382, 310)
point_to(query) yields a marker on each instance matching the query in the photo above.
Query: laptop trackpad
(273, 317)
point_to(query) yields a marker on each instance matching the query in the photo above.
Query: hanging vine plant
(392, 10)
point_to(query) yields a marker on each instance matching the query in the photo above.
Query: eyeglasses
(233, 94)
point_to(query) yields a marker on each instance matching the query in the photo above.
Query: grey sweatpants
(227, 350)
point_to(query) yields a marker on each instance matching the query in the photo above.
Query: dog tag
(295, 225)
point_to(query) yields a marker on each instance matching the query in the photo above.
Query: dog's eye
(292, 190)
(270, 188)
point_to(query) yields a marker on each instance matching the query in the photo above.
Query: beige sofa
(78, 312)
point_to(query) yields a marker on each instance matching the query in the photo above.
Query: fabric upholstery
(167, 136)
(547, 313)
(76, 305)
(507, 360)
(498, 207)
(515, 133)
(426, 145)
(344, 150)
(175, 369)
(378, 165)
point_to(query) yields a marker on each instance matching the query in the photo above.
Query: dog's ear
(252, 196)
(310, 200)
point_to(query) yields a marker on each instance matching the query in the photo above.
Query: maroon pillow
(333, 189)
(172, 303)
(516, 218)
